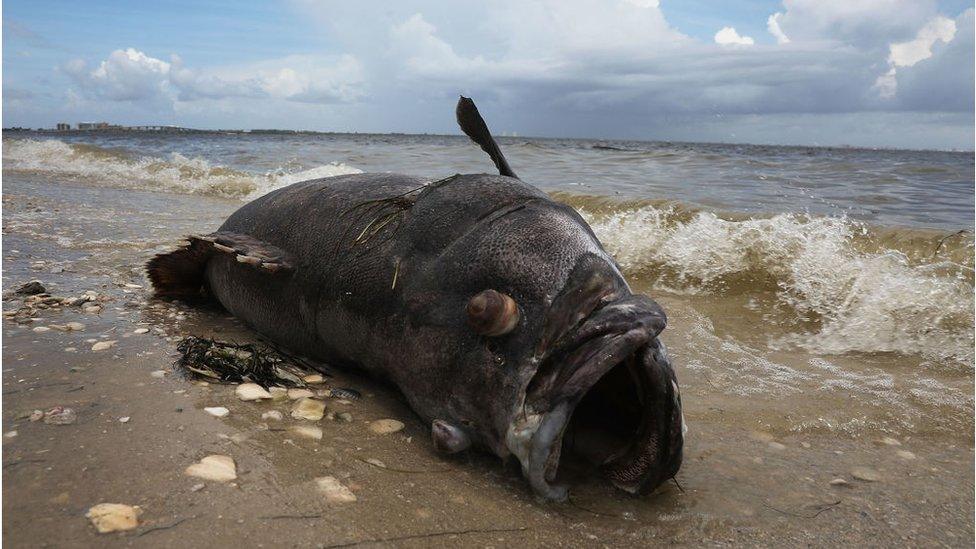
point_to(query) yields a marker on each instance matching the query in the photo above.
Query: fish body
(494, 309)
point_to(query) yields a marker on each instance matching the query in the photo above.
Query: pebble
(114, 517)
(197, 487)
(334, 491)
(133, 286)
(40, 329)
(296, 394)
(777, 446)
(158, 373)
(217, 411)
(890, 441)
(385, 426)
(308, 408)
(141, 331)
(60, 415)
(866, 474)
(36, 415)
(839, 482)
(31, 288)
(278, 393)
(761, 436)
(216, 467)
(376, 462)
(273, 414)
(10, 434)
(905, 454)
(251, 391)
(313, 379)
(124, 419)
(307, 431)
(344, 416)
(103, 345)
(75, 326)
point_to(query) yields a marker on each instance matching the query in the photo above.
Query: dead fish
(494, 309)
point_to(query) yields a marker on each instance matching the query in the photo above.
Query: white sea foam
(175, 173)
(858, 300)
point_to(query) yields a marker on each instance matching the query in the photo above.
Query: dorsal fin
(474, 126)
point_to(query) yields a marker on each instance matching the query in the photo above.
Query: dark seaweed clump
(212, 360)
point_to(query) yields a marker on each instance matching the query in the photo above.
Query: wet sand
(769, 430)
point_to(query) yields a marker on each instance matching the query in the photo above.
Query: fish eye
(491, 313)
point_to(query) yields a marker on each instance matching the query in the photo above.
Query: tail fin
(474, 127)
(179, 274)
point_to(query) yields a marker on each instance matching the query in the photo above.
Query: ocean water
(785, 271)
(919, 189)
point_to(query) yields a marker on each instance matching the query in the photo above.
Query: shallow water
(801, 338)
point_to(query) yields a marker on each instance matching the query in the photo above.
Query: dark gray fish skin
(376, 272)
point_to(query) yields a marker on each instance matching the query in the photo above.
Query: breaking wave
(175, 173)
(850, 287)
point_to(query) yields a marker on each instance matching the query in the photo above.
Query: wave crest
(175, 173)
(853, 288)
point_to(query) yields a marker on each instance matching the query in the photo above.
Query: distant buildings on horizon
(105, 126)
(89, 126)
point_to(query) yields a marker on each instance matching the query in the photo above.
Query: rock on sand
(114, 517)
(216, 467)
(385, 426)
(251, 391)
(334, 491)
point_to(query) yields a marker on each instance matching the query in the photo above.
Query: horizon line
(169, 128)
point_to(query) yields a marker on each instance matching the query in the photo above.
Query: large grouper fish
(494, 309)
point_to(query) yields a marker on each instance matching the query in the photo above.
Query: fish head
(556, 359)
(603, 391)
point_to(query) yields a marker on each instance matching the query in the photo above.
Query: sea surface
(858, 250)
(820, 308)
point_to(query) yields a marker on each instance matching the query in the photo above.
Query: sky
(875, 73)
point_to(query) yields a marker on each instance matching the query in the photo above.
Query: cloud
(554, 67)
(548, 58)
(728, 36)
(16, 31)
(127, 75)
(131, 75)
(865, 24)
(772, 25)
(945, 79)
(907, 54)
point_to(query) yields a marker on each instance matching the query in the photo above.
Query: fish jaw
(611, 374)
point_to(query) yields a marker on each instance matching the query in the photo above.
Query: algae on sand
(214, 360)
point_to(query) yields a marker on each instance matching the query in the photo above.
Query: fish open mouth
(605, 395)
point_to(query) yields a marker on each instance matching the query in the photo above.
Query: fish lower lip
(630, 460)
